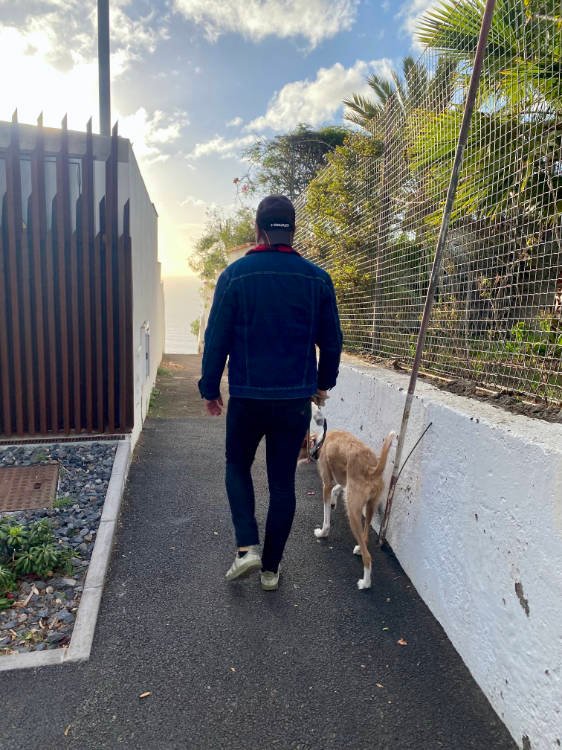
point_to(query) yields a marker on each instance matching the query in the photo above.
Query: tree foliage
(287, 163)
(221, 234)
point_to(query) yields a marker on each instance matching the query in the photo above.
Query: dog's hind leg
(327, 492)
(337, 492)
(356, 524)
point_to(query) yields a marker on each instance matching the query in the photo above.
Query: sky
(196, 82)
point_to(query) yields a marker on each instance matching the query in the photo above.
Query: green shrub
(7, 580)
(31, 550)
(542, 337)
(63, 502)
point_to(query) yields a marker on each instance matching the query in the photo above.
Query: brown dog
(349, 467)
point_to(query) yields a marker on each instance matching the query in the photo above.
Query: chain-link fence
(372, 216)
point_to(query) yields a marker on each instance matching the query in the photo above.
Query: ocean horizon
(182, 305)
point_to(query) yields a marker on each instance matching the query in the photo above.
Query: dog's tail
(384, 453)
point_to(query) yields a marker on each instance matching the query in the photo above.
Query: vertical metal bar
(87, 250)
(7, 426)
(111, 231)
(75, 333)
(63, 239)
(14, 220)
(125, 323)
(52, 346)
(98, 329)
(128, 294)
(104, 68)
(26, 250)
(38, 226)
(451, 193)
(121, 366)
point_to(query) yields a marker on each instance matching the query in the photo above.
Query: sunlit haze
(194, 82)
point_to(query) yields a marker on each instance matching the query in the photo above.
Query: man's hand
(320, 397)
(214, 407)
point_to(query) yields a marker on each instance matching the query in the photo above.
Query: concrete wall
(477, 526)
(148, 296)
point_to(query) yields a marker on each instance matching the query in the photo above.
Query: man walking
(271, 309)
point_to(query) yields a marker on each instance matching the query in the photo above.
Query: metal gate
(65, 290)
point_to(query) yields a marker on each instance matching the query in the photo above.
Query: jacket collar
(272, 248)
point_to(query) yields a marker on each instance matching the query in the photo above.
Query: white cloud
(235, 122)
(191, 200)
(222, 147)
(411, 11)
(151, 134)
(314, 20)
(318, 101)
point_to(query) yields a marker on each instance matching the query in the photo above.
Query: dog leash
(418, 441)
(313, 454)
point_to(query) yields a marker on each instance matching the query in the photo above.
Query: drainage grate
(26, 487)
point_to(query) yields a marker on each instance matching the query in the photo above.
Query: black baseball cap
(275, 216)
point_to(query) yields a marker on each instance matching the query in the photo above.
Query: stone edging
(85, 625)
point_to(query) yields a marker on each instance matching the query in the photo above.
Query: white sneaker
(243, 566)
(269, 580)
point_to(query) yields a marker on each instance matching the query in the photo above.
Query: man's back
(271, 308)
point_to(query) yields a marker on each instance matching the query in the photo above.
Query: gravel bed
(42, 616)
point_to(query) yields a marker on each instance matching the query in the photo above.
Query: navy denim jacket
(269, 311)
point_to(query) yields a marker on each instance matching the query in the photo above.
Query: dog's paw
(321, 533)
(363, 585)
(357, 550)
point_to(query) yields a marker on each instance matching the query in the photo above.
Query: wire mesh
(372, 216)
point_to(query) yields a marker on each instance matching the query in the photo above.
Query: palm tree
(516, 137)
(523, 63)
(415, 89)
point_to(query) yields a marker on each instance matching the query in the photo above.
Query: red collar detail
(275, 248)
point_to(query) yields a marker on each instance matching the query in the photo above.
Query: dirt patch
(507, 400)
(175, 394)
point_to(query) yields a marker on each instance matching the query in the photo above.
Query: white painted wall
(477, 513)
(148, 296)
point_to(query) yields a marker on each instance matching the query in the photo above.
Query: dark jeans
(284, 424)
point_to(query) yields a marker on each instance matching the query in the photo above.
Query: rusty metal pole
(451, 193)
(103, 68)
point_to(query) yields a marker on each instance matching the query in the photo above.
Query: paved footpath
(313, 666)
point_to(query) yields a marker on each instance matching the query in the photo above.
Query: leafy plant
(195, 326)
(29, 550)
(63, 502)
(7, 580)
(544, 339)
(42, 560)
(16, 537)
(154, 396)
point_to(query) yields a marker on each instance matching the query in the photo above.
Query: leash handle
(313, 454)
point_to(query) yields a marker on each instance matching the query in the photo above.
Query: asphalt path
(315, 665)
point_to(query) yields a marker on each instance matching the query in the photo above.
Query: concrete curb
(85, 625)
